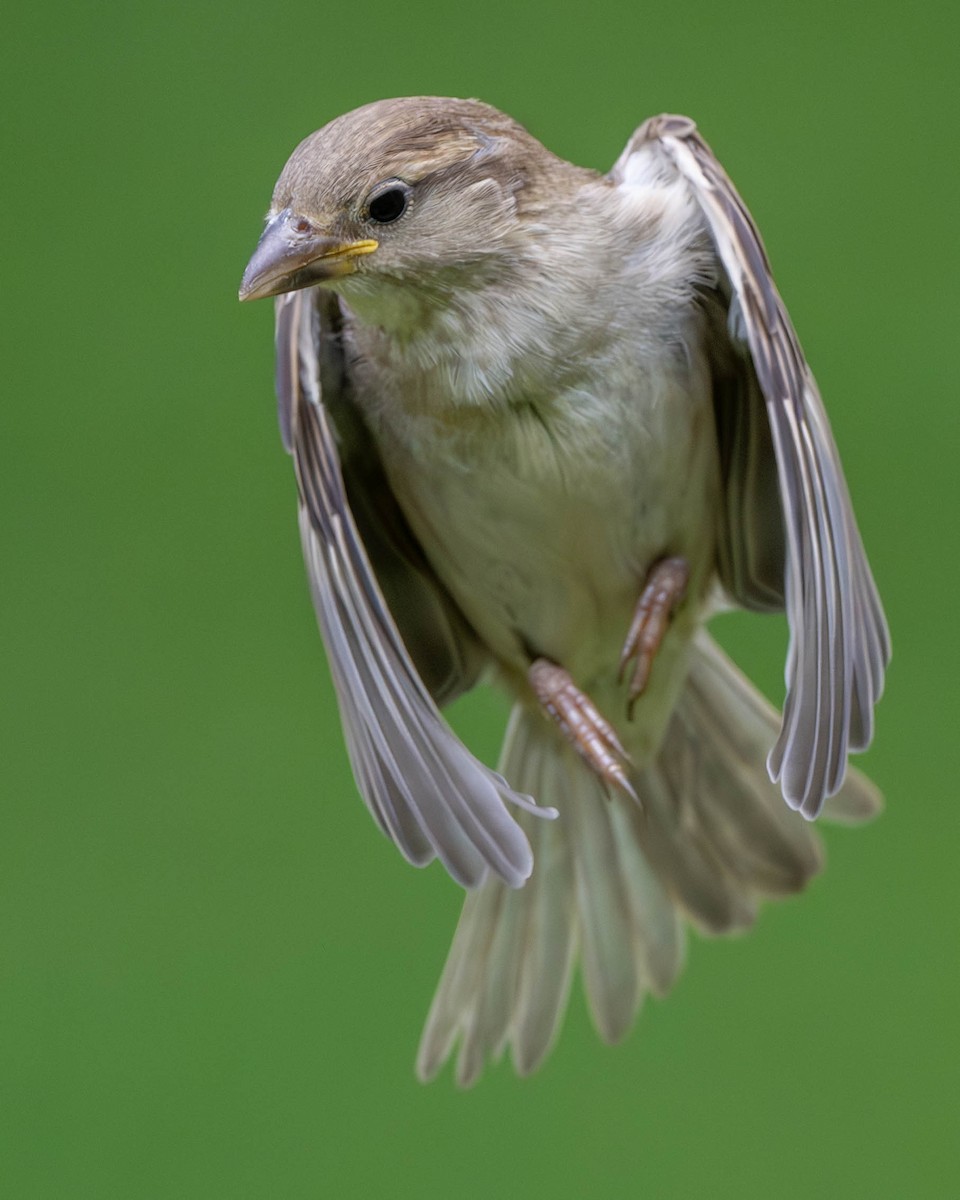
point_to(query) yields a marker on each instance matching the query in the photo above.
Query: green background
(214, 970)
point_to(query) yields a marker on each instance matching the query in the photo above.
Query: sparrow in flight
(545, 423)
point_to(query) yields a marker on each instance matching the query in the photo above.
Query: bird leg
(580, 723)
(663, 591)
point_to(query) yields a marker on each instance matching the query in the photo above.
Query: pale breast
(543, 519)
(558, 438)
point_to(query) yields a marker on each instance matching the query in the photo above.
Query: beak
(294, 254)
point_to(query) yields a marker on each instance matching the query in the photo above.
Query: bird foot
(581, 723)
(663, 591)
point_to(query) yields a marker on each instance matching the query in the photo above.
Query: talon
(580, 722)
(663, 591)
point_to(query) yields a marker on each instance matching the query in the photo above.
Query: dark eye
(388, 205)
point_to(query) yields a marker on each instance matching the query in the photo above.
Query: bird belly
(543, 523)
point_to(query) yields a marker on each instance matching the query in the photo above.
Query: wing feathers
(425, 789)
(839, 643)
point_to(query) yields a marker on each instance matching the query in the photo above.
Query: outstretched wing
(839, 645)
(425, 789)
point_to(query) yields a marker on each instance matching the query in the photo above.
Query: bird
(545, 423)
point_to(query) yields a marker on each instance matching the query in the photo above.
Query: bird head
(411, 190)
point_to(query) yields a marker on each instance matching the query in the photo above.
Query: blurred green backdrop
(214, 970)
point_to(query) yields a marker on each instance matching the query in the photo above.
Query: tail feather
(548, 954)
(462, 980)
(756, 837)
(550, 947)
(667, 828)
(608, 960)
(516, 987)
(657, 925)
(710, 837)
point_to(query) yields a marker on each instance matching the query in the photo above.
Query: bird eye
(388, 205)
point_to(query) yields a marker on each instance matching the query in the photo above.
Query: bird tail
(614, 880)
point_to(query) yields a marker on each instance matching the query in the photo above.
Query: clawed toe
(662, 592)
(580, 722)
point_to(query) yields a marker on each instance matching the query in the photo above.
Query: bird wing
(425, 789)
(801, 516)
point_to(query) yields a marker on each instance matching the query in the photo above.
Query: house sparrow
(544, 423)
